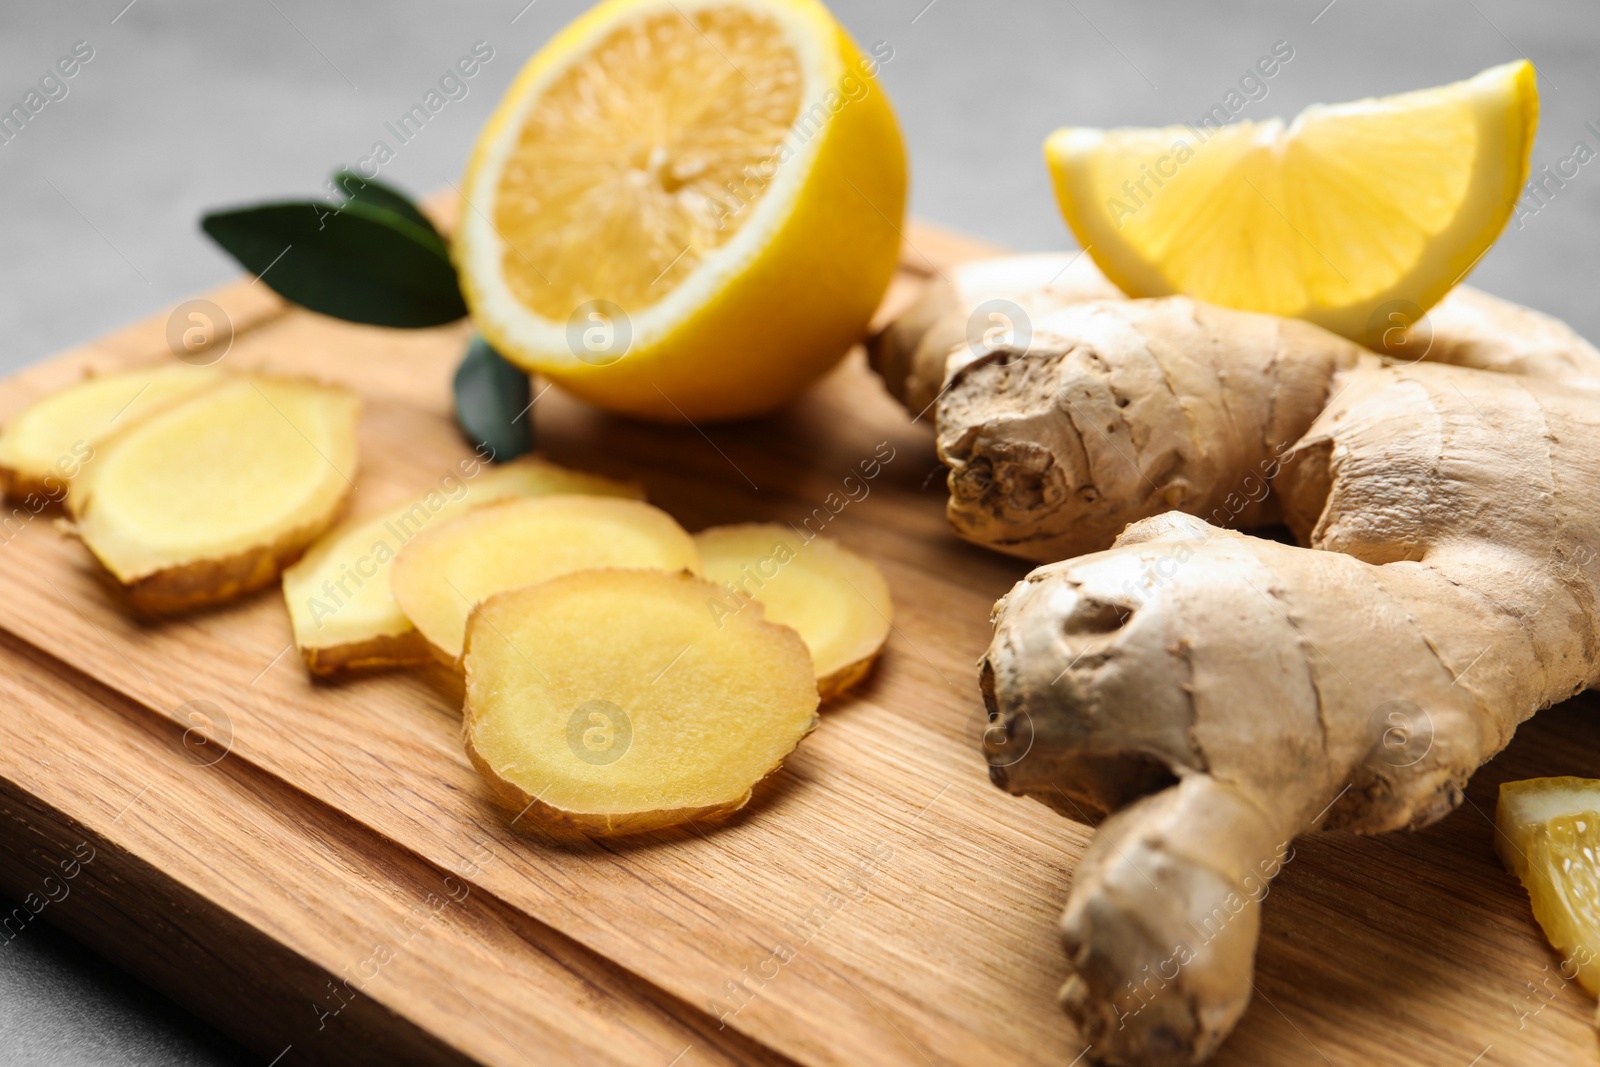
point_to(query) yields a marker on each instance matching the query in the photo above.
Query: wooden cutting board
(317, 869)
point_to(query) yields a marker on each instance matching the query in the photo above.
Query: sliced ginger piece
(837, 600)
(612, 702)
(447, 569)
(46, 444)
(340, 603)
(1549, 837)
(210, 497)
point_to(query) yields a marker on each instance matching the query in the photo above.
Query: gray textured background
(188, 105)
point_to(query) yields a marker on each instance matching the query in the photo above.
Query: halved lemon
(1549, 837)
(1349, 216)
(685, 207)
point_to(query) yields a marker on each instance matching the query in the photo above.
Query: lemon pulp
(1549, 836)
(685, 209)
(1329, 218)
(638, 162)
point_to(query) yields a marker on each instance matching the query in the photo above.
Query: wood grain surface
(317, 868)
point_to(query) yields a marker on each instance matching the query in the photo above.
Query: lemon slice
(1350, 215)
(1549, 837)
(685, 209)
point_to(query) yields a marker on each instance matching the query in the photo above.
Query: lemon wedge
(685, 208)
(1549, 837)
(1349, 216)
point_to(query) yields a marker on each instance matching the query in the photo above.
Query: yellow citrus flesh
(1351, 213)
(1549, 836)
(685, 209)
(631, 151)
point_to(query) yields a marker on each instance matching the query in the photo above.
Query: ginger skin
(1034, 471)
(1229, 664)
(1470, 328)
(1211, 695)
(1123, 410)
(910, 353)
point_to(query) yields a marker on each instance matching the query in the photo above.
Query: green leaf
(355, 261)
(492, 403)
(354, 186)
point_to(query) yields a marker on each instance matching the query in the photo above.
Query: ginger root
(1221, 693)
(1048, 460)
(972, 304)
(1470, 328)
(1210, 695)
(1123, 410)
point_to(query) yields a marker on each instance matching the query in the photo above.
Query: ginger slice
(47, 443)
(210, 497)
(340, 603)
(447, 569)
(837, 600)
(1549, 837)
(612, 702)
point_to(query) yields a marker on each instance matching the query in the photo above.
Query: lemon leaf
(354, 186)
(360, 260)
(492, 403)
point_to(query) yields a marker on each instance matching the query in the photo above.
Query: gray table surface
(187, 105)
